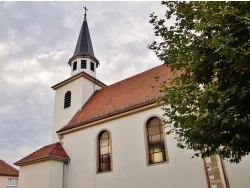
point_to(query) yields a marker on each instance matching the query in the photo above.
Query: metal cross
(85, 8)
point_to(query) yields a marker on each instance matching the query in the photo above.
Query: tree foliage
(207, 104)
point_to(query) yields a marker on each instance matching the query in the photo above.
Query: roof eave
(125, 112)
(6, 174)
(83, 55)
(21, 163)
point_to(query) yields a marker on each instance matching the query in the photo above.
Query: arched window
(104, 151)
(155, 139)
(67, 99)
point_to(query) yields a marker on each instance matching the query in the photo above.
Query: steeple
(84, 49)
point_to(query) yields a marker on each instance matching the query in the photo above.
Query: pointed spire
(84, 44)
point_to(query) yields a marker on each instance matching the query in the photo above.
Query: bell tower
(72, 93)
(84, 58)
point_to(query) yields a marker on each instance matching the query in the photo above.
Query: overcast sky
(36, 41)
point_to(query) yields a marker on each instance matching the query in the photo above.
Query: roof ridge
(135, 75)
(54, 149)
(51, 151)
(36, 151)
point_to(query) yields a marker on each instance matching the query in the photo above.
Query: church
(113, 136)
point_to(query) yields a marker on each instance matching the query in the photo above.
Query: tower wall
(81, 90)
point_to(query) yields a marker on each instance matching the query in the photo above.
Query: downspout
(64, 172)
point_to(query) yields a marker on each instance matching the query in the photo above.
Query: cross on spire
(85, 8)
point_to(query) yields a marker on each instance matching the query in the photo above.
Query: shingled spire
(84, 49)
(84, 44)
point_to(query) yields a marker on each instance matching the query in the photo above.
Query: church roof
(7, 170)
(53, 151)
(129, 94)
(84, 45)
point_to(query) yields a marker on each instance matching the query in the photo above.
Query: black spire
(84, 44)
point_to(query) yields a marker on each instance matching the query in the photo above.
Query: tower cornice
(82, 56)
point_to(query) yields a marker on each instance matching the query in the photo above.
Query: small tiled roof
(7, 170)
(129, 94)
(53, 151)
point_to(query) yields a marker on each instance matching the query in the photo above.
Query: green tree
(207, 104)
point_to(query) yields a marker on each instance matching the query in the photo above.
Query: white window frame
(12, 182)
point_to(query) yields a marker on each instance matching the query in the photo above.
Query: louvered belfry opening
(67, 99)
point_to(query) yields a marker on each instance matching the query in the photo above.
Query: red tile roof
(53, 151)
(123, 96)
(7, 170)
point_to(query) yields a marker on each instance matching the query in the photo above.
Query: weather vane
(85, 8)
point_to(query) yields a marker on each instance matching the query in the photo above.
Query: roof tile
(131, 93)
(52, 151)
(7, 170)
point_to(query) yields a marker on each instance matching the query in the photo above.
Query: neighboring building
(8, 175)
(112, 136)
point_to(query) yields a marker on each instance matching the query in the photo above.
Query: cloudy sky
(36, 41)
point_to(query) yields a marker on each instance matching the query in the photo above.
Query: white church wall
(129, 165)
(81, 89)
(81, 168)
(34, 175)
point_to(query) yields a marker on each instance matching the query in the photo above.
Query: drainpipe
(64, 172)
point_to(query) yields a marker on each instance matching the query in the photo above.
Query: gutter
(83, 126)
(41, 159)
(5, 174)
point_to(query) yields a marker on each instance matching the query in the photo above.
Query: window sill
(160, 163)
(104, 172)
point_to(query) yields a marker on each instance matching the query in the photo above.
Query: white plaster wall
(81, 90)
(3, 181)
(35, 175)
(79, 69)
(239, 174)
(129, 167)
(44, 174)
